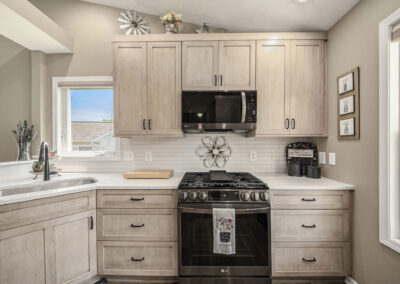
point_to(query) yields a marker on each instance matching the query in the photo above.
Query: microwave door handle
(244, 107)
(237, 211)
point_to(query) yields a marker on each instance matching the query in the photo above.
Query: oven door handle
(237, 211)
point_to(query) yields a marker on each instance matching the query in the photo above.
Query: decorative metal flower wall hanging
(133, 23)
(214, 152)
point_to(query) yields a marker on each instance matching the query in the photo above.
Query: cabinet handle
(215, 80)
(305, 199)
(137, 259)
(220, 77)
(309, 260)
(293, 123)
(287, 123)
(149, 124)
(309, 227)
(137, 199)
(137, 226)
(144, 124)
(91, 223)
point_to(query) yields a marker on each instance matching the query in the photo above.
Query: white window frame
(389, 140)
(56, 121)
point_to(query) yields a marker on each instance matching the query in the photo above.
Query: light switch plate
(129, 156)
(253, 156)
(321, 158)
(332, 159)
(148, 156)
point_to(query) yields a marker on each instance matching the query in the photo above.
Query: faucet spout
(44, 157)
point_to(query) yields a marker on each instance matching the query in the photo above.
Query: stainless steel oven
(198, 263)
(219, 111)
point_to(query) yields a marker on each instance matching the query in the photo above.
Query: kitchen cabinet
(291, 88)
(53, 250)
(218, 65)
(147, 89)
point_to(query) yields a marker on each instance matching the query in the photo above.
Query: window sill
(89, 158)
(394, 244)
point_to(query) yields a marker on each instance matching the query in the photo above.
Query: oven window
(251, 241)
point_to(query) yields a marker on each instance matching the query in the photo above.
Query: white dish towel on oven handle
(224, 230)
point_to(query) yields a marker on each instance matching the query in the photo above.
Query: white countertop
(275, 181)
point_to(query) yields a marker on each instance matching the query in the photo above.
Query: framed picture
(346, 105)
(347, 127)
(346, 83)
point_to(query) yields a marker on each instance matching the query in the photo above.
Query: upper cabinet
(147, 89)
(218, 65)
(291, 88)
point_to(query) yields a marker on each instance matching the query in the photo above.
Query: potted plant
(172, 21)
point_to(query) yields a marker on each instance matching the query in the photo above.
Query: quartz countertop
(275, 181)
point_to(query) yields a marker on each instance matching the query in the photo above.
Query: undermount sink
(43, 186)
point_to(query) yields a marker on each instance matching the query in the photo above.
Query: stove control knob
(245, 196)
(193, 195)
(183, 195)
(203, 195)
(264, 196)
(255, 196)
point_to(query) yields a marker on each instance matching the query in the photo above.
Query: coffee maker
(302, 160)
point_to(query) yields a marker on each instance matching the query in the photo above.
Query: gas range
(220, 186)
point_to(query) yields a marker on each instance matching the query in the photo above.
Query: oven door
(196, 257)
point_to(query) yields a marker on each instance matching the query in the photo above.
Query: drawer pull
(305, 199)
(141, 259)
(310, 227)
(91, 223)
(310, 260)
(137, 199)
(137, 226)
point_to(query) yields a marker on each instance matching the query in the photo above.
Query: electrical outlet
(321, 158)
(253, 156)
(148, 156)
(129, 156)
(332, 159)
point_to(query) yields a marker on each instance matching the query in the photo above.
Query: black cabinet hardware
(137, 259)
(310, 227)
(215, 80)
(91, 223)
(287, 123)
(137, 226)
(293, 123)
(137, 199)
(149, 124)
(220, 77)
(309, 260)
(144, 124)
(305, 199)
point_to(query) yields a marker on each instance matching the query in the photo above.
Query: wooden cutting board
(149, 174)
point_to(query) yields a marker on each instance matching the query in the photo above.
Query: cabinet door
(22, 255)
(237, 65)
(308, 87)
(200, 65)
(273, 83)
(130, 89)
(164, 88)
(75, 248)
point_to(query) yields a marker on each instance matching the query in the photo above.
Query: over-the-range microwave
(204, 111)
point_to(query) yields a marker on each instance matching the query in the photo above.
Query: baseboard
(350, 280)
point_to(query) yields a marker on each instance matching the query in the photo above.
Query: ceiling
(246, 16)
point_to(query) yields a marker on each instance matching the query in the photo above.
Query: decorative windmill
(133, 23)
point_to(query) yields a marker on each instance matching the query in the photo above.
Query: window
(389, 131)
(83, 118)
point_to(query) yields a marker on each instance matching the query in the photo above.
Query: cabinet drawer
(310, 225)
(310, 259)
(136, 199)
(136, 224)
(290, 199)
(152, 258)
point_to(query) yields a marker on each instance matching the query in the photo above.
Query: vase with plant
(24, 135)
(172, 21)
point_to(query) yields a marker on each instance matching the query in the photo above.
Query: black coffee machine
(302, 160)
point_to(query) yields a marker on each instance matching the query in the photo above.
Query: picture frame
(346, 83)
(346, 127)
(346, 105)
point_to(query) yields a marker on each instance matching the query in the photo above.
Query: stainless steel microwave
(206, 111)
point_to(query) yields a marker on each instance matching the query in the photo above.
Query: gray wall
(353, 41)
(15, 84)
